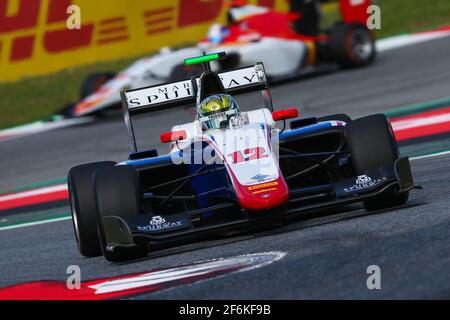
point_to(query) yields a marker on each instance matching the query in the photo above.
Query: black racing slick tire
(372, 144)
(93, 82)
(83, 207)
(118, 196)
(352, 45)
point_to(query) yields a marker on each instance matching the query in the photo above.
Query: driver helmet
(214, 110)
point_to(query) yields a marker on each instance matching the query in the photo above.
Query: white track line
(431, 155)
(35, 223)
(409, 39)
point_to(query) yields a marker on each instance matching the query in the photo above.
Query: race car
(252, 34)
(230, 169)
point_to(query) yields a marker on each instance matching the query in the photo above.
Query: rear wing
(184, 93)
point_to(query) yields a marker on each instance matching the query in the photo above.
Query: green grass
(37, 98)
(406, 16)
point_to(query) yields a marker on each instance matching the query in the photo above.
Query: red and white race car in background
(252, 34)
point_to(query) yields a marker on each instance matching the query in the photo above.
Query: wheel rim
(362, 44)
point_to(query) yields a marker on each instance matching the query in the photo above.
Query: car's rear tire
(83, 207)
(372, 144)
(352, 45)
(93, 82)
(118, 194)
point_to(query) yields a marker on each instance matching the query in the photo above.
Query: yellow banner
(40, 36)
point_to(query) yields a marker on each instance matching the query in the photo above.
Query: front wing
(122, 234)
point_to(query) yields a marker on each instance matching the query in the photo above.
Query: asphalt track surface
(327, 256)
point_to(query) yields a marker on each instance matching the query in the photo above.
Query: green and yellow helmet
(215, 109)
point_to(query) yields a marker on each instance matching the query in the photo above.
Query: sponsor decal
(249, 154)
(363, 182)
(182, 89)
(260, 177)
(264, 190)
(363, 179)
(157, 220)
(160, 224)
(264, 185)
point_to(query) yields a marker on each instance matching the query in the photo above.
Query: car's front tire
(83, 207)
(118, 195)
(372, 144)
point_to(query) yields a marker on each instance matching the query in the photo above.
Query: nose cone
(263, 196)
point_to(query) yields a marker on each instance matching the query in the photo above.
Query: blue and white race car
(230, 169)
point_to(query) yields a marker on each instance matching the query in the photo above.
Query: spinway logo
(159, 224)
(363, 179)
(364, 182)
(157, 220)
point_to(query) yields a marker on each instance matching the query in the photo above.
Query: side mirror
(173, 136)
(285, 114)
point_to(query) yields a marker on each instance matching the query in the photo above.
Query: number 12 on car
(248, 154)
